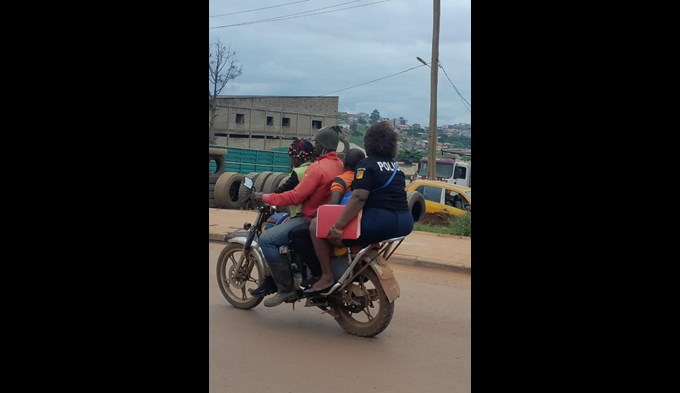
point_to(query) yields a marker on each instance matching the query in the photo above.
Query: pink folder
(327, 215)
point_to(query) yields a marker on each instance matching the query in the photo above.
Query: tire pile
(228, 192)
(216, 155)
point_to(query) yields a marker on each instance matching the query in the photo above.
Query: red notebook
(327, 215)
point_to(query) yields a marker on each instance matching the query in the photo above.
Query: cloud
(319, 54)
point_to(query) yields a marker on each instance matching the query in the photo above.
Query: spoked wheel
(234, 282)
(362, 306)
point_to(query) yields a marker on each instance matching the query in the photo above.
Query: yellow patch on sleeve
(360, 174)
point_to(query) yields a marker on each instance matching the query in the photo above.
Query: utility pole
(434, 68)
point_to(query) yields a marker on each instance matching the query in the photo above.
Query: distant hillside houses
(352, 118)
(401, 124)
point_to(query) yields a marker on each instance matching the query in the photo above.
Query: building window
(285, 121)
(270, 120)
(240, 118)
(316, 124)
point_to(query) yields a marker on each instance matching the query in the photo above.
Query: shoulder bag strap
(396, 168)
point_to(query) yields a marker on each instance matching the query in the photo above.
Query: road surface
(426, 347)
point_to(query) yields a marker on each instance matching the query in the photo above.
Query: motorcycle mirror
(248, 182)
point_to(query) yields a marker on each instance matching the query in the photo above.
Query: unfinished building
(267, 122)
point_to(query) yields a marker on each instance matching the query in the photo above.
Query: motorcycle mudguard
(255, 248)
(387, 279)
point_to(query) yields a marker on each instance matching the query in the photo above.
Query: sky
(363, 51)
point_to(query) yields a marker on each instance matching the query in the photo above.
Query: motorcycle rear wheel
(356, 314)
(234, 284)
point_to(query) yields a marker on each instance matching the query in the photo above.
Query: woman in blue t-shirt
(379, 189)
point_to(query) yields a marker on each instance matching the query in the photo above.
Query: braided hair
(301, 149)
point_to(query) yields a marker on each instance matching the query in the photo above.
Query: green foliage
(460, 226)
(414, 132)
(432, 228)
(461, 127)
(357, 140)
(355, 131)
(412, 154)
(375, 116)
(357, 135)
(459, 142)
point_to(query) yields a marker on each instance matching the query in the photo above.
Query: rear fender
(386, 277)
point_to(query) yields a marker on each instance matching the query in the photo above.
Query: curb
(217, 238)
(406, 260)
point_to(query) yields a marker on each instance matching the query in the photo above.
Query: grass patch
(445, 224)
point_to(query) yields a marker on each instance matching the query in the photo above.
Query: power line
(465, 102)
(295, 15)
(257, 9)
(468, 106)
(375, 80)
(300, 14)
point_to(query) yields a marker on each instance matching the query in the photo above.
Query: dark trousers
(301, 240)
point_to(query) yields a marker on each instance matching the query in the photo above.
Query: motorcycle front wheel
(362, 307)
(235, 284)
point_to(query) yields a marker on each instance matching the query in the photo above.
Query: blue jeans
(277, 236)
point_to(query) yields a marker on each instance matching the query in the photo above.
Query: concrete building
(266, 122)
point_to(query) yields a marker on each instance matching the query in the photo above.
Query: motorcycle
(362, 299)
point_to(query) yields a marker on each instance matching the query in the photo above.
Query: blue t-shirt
(373, 173)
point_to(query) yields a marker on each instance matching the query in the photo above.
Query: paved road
(426, 347)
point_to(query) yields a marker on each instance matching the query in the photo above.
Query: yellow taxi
(443, 197)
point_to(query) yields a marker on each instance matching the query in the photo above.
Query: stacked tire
(283, 180)
(266, 182)
(217, 155)
(273, 182)
(244, 192)
(259, 182)
(227, 190)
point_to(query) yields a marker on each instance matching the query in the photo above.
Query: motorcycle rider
(312, 191)
(301, 152)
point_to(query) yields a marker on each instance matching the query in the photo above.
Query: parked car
(443, 197)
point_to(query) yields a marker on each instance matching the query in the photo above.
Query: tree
(412, 155)
(375, 116)
(354, 130)
(414, 132)
(223, 67)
